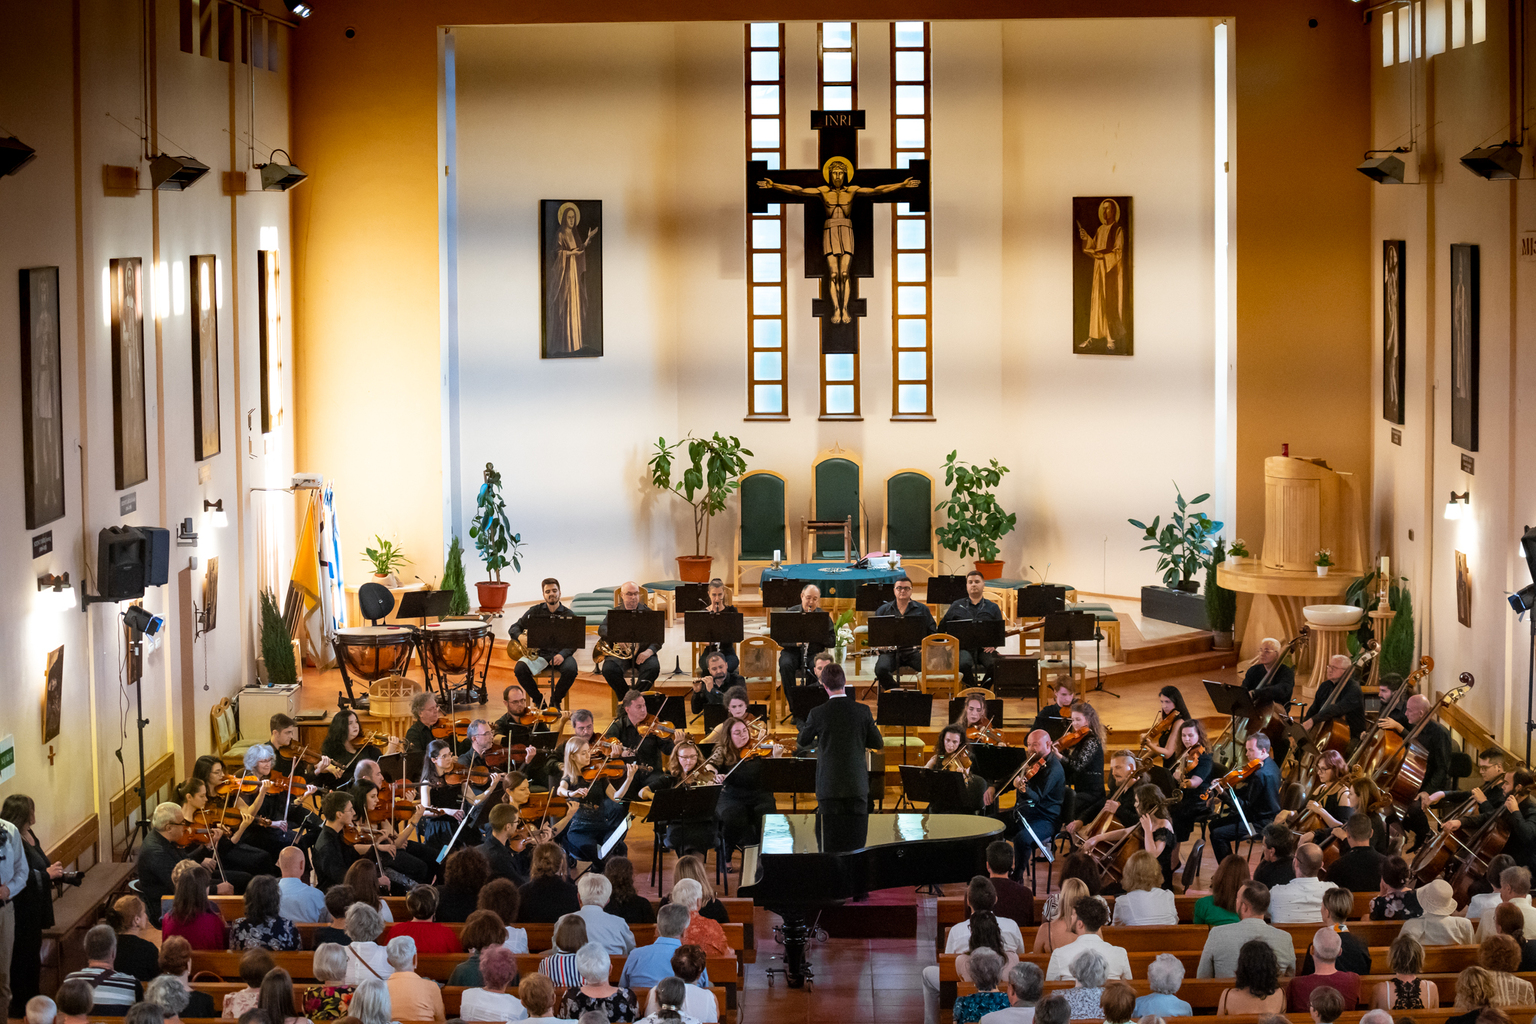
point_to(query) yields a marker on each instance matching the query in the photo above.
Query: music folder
(642, 626)
(789, 629)
(897, 631)
(944, 590)
(974, 635)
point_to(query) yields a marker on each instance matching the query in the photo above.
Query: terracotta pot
(990, 570)
(492, 595)
(694, 568)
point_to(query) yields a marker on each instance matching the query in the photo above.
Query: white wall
(648, 118)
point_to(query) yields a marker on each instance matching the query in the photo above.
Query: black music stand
(792, 775)
(1017, 676)
(1039, 601)
(973, 635)
(781, 593)
(944, 590)
(994, 710)
(929, 786)
(898, 632)
(870, 596)
(905, 709)
(700, 627)
(1071, 627)
(1231, 701)
(800, 629)
(557, 633)
(690, 597)
(669, 805)
(642, 627)
(666, 708)
(804, 700)
(425, 604)
(997, 764)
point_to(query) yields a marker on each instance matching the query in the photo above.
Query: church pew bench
(540, 936)
(951, 909)
(451, 994)
(1437, 959)
(1436, 1016)
(74, 912)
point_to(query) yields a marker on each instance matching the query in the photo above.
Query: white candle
(776, 554)
(1384, 563)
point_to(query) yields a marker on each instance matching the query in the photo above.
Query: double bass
(1104, 821)
(1331, 734)
(1239, 728)
(1403, 764)
(1369, 753)
(1485, 844)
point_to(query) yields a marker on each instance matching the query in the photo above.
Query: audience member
(276, 997)
(40, 1010)
(466, 872)
(366, 958)
(171, 994)
(1091, 917)
(607, 930)
(1026, 983)
(649, 964)
(73, 1001)
(1277, 866)
(1509, 920)
(668, 998)
(547, 895)
(1324, 954)
(370, 1003)
(1256, 986)
(490, 1000)
(1514, 888)
(1405, 990)
(596, 992)
(254, 966)
(501, 897)
(1499, 955)
(136, 955)
(1475, 992)
(1397, 901)
(625, 901)
(113, 990)
(692, 866)
(337, 899)
(537, 994)
(1485, 890)
(412, 996)
(301, 902)
(986, 971)
(1144, 901)
(1165, 975)
(1300, 901)
(1438, 925)
(263, 926)
(1377, 1017)
(1053, 1009)
(1118, 1003)
(191, 915)
(1326, 1004)
(482, 931)
(1224, 943)
(1057, 918)
(430, 937)
(1220, 907)
(559, 965)
(698, 1003)
(985, 934)
(1088, 973)
(702, 931)
(330, 996)
(1354, 957)
(365, 881)
(175, 960)
(144, 1013)
(1015, 901)
(1358, 869)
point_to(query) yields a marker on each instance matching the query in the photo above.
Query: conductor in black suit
(841, 730)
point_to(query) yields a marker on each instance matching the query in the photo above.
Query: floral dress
(275, 933)
(621, 1006)
(1396, 906)
(971, 1008)
(327, 1002)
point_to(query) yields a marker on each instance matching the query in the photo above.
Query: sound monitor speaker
(120, 571)
(157, 565)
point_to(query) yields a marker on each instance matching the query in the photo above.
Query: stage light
(1522, 599)
(59, 593)
(219, 519)
(298, 7)
(141, 621)
(14, 155)
(1453, 510)
(1384, 170)
(276, 177)
(175, 173)
(1501, 162)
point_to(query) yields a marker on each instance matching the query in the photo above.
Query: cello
(1487, 842)
(1369, 752)
(1404, 763)
(1104, 821)
(1264, 721)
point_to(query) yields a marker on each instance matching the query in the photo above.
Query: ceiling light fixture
(298, 7)
(1384, 170)
(1496, 163)
(276, 177)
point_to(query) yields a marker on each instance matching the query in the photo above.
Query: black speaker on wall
(157, 556)
(121, 554)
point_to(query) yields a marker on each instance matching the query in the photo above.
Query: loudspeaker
(157, 565)
(120, 563)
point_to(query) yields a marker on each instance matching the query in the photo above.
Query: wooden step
(1165, 668)
(1139, 651)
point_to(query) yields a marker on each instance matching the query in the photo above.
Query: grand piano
(806, 863)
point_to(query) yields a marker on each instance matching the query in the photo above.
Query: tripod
(135, 656)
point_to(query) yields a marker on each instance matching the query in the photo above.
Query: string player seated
(408, 859)
(332, 855)
(727, 649)
(600, 809)
(564, 661)
(719, 677)
(903, 607)
(1435, 741)
(627, 660)
(791, 659)
(1040, 798)
(345, 745)
(427, 713)
(744, 799)
(161, 853)
(199, 808)
(1148, 813)
(317, 767)
(1337, 804)
(686, 769)
(509, 730)
(953, 755)
(1163, 738)
(282, 804)
(649, 748)
(1259, 795)
(447, 802)
(1082, 753)
(1193, 774)
(1348, 703)
(973, 607)
(1056, 718)
(1122, 764)
(1511, 802)
(737, 705)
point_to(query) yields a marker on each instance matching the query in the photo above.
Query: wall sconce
(59, 593)
(219, 520)
(1453, 511)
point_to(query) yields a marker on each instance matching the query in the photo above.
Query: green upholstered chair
(763, 529)
(909, 528)
(837, 481)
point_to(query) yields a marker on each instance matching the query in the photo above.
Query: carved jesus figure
(837, 227)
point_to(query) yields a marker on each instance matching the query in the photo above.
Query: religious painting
(1463, 590)
(130, 450)
(571, 261)
(1101, 276)
(53, 695)
(211, 595)
(205, 357)
(1465, 316)
(42, 396)
(268, 317)
(1394, 314)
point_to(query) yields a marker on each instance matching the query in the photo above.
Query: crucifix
(839, 222)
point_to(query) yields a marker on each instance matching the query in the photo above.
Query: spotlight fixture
(298, 7)
(186, 536)
(276, 177)
(14, 155)
(1384, 170)
(1496, 163)
(141, 621)
(1523, 599)
(57, 588)
(1453, 511)
(220, 520)
(175, 173)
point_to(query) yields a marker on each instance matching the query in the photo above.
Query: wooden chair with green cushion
(909, 528)
(763, 530)
(837, 485)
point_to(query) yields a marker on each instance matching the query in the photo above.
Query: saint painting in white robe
(567, 299)
(1106, 303)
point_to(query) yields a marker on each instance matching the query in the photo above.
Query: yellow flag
(306, 562)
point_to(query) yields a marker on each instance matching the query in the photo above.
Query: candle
(776, 554)
(1384, 563)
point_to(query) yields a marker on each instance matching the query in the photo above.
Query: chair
(940, 661)
(226, 731)
(759, 667)
(909, 527)
(837, 480)
(763, 530)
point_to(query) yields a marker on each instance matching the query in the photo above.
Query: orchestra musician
(445, 803)
(649, 748)
(599, 812)
(1084, 760)
(1193, 773)
(1165, 743)
(643, 664)
(482, 741)
(1148, 808)
(159, 854)
(1055, 718)
(345, 746)
(1259, 795)
(193, 795)
(407, 862)
(743, 797)
(1121, 764)
(903, 607)
(1335, 808)
(973, 607)
(1435, 740)
(719, 677)
(952, 755)
(1349, 704)
(509, 731)
(687, 835)
(509, 847)
(791, 661)
(1517, 810)
(528, 669)
(1385, 688)
(332, 855)
(736, 705)
(725, 648)
(427, 712)
(1280, 686)
(280, 805)
(284, 733)
(1040, 797)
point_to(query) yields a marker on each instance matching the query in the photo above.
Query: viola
(395, 812)
(541, 805)
(457, 728)
(1072, 738)
(497, 757)
(649, 725)
(958, 761)
(229, 820)
(541, 716)
(1188, 762)
(1159, 728)
(352, 835)
(195, 837)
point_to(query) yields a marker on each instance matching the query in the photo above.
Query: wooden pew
(952, 908)
(451, 994)
(541, 936)
(1437, 959)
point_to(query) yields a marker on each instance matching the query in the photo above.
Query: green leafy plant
(1183, 543)
(842, 628)
(386, 558)
(1397, 646)
(1323, 557)
(976, 520)
(453, 578)
(491, 531)
(712, 471)
(276, 644)
(1220, 603)
(1365, 592)
(1239, 549)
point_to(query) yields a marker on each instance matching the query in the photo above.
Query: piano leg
(796, 933)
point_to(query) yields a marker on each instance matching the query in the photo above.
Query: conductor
(841, 730)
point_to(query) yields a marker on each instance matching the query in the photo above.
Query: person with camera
(27, 877)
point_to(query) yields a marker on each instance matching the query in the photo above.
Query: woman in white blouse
(492, 1001)
(1143, 901)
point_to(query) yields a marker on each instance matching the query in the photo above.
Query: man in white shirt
(1091, 916)
(13, 878)
(1514, 888)
(1300, 901)
(1026, 983)
(607, 930)
(979, 895)
(1219, 957)
(300, 903)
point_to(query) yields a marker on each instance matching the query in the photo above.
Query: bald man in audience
(299, 902)
(1300, 901)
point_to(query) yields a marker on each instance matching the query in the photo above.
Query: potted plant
(976, 520)
(386, 558)
(712, 471)
(453, 578)
(1237, 552)
(278, 662)
(1220, 603)
(1183, 545)
(1323, 559)
(495, 542)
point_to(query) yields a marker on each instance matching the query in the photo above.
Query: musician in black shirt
(509, 731)
(427, 712)
(1259, 795)
(1519, 815)
(1192, 769)
(1348, 703)
(718, 678)
(725, 648)
(1056, 718)
(974, 608)
(1040, 798)
(902, 608)
(624, 671)
(1280, 686)
(792, 659)
(537, 661)
(649, 749)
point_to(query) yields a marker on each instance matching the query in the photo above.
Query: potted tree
(386, 558)
(1183, 545)
(712, 471)
(453, 578)
(278, 662)
(976, 521)
(495, 542)
(1220, 603)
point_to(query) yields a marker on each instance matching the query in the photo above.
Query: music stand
(944, 590)
(929, 786)
(714, 717)
(781, 593)
(997, 764)
(800, 629)
(1017, 676)
(667, 708)
(1039, 601)
(870, 596)
(973, 635)
(1232, 701)
(642, 627)
(804, 700)
(905, 709)
(1071, 627)
(425, 604)
(669, 805)
(897, 632)
(700, 627)
(557, 633)
(792, 775)
(690, 597)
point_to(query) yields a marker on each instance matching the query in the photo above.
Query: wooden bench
(952, 908)
(540, 936)
(1437, 959)
(451, 994)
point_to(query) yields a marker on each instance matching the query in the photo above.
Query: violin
(1233, 777)
(300, 755)
(649, 726)
(959, 761)
(1188, 762)
(984, 733)
(1072, 738)
(497, 757)
(1159, 728)
(353, 835)
(230, 820)
(293, 785)
(396, 812)
(246, 784)
(763, 749)
(459, 773)
(541, 716)
(195, 837)
(457, 728)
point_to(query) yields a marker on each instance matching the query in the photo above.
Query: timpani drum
(456, 647)
(375, 652)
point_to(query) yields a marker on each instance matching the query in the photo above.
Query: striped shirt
(560, 968)
(115, 991)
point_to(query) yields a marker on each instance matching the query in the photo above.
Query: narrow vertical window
(911, 233)
(837, 84)
(767, 339)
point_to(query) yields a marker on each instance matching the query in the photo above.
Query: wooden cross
(839, 223)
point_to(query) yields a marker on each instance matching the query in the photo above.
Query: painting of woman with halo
(1101, 275)
(572, 265)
